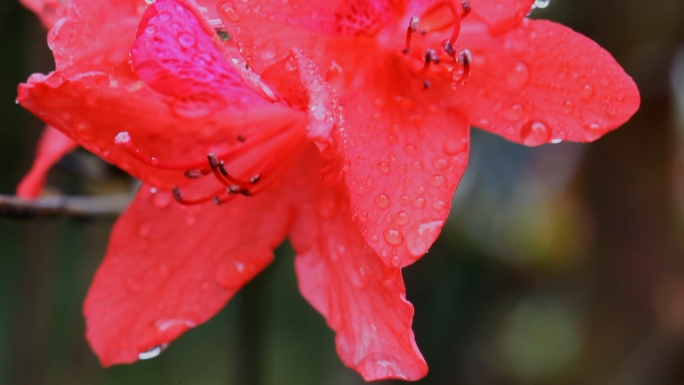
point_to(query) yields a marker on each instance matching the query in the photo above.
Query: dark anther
(426, 84)
(406, 51)
(213, 160)
(413, 24)
(422, 32)
(466, 7)
(449, 48)
(254, 179)
(465, 57)
(240, 138)
(245, 192)
(177, 194)
(193, 174)
(216, 200)
(431, 57)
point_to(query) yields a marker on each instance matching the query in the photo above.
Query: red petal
(501, 15)
(178, 54)
(49, 11)
(52, 146)
(169, 267)
(543, 82)
(95, 35)
(407, 152)
(361, 298)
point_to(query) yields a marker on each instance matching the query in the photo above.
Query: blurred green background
(561, 264)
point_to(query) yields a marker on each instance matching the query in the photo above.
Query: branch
(66, 206)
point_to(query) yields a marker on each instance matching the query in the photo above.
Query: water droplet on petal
(519, 75)
(155, 351)
(230, 13)
(437, 180)
(411, 149)
(419, 202)
(164, 16)
(382, 201)
(515, 112)
(568, 106)
(393, 237)
(162, 199)
(587, 92)
(150, 29)
(230, 274)
(404, 200)
(384, 167)
(535, 133)
(395, 261)
(453, 146)
(421, 235)
(186, 40)
(402, 218)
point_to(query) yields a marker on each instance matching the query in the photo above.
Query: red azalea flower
(346, 128)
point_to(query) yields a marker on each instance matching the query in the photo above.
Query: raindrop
(437, 180)
(587, 92)
(382, 201)
(404, 200)
(535, 133)
(453, 147)
(395, 261)
(515, 112)
(186, 40)
(419, 202)
(155, 351)
(519, 75)
(230, 274)
(162, 199)
(568, 106)
(384, 167)
(164, 16)
(421, 235)
(230, 13)
(149, 2)
(541, 4)
(393, 237)
(411, 149)
(150, 29)
(440, 163)
(402, 218)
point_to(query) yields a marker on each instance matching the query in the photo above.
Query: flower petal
(406, 154)
(94, 35)
(543, 82)
(193, 118)
(361, 298)
(169, 267)
(52, 146)
(501, 15)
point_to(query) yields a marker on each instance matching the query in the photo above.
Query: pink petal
(361, 298)
(169, 267)
(543, 82)
(52, 146)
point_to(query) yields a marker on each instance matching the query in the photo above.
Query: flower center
(263, 158)
(431, 57)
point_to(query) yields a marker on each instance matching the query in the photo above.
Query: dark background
(560, 264)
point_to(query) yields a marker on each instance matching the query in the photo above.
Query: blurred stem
(67, 206)
(251, 339)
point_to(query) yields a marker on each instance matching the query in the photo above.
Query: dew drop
(541, 4)
(440, 163)
(535, 133)
(411, 149)
(396, 261)
(515, 112)
(519, 75)
(404, 200)
(230, 274)
(421, 235)
(393, 237)
(417, 165)
(162, 199)
(382, 201)
(230, 13)
(384, 167)
(164, 16)
(439, 205)
(587, 92)
(419, 202)
(437, 180)
(402, 218)
(150, 29)
(568, 106)
(155, 351)
(453, 146)
(186, 40)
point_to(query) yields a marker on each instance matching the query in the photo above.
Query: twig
(66, 206)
